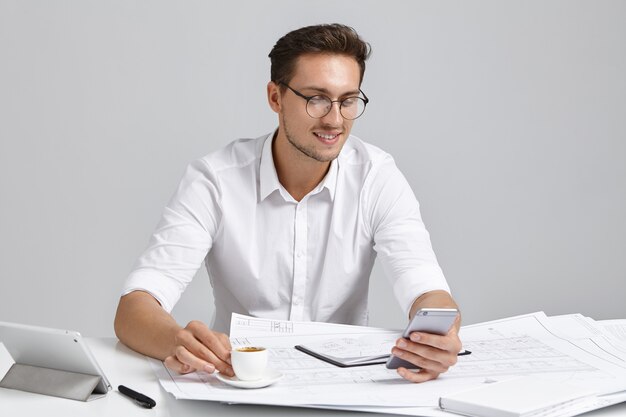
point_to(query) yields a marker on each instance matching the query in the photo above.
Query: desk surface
(123, 366)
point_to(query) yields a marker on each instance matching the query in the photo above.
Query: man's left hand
(434, 354)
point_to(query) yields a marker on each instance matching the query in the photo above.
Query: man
(289, 224)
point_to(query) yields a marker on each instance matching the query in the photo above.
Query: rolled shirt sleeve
(401, 240)
(182, 238)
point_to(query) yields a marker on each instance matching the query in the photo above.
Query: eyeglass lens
(350, 108)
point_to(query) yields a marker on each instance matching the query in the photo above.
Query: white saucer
(270, 377)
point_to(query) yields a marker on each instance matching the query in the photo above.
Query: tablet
(54, 349)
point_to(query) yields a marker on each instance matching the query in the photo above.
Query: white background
(507, 118)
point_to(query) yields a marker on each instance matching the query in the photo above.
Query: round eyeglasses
(319, 106)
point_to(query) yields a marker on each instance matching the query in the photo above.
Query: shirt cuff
(166, 290)
(412, 284)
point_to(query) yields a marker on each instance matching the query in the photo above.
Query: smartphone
(427, 320)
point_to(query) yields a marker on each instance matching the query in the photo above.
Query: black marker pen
(139, 398)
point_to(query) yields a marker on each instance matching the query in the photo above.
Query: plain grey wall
(507, 118)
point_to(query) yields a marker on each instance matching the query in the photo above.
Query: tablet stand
(54, 382)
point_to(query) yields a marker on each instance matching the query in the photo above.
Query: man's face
(335, 76)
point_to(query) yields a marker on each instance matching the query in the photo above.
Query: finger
(191, 361)
(421, 376)
(199, 350)
(217, 343)
(226, 342)
(456, 325)
(171, 362)
(190, 340)
(444, 357)
(420, 361)
(175, 365)
(449, 342)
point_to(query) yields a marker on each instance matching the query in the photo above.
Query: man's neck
(298, 173)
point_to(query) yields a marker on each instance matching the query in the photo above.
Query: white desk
(125, 367)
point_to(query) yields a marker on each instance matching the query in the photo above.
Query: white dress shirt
(271, 256)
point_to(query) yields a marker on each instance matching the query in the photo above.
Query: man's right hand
(198, 348)
(144, 326)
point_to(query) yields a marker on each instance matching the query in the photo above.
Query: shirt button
(299, 255)
(296, 301)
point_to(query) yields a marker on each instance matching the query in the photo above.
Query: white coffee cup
(249, 362)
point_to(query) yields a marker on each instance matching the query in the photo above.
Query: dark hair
(331, 38)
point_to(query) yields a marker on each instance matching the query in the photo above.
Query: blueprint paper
(522, 345)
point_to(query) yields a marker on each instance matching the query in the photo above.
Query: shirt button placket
(299, 262)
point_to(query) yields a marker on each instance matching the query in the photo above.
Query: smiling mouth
(327, 138)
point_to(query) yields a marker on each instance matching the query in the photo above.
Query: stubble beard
(309, 151)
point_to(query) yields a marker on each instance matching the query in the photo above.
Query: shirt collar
(267, 171)
(330, 180)
(269, 178)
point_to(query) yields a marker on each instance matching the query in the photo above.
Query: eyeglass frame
(308, 98)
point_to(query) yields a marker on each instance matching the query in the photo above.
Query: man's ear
(273, 96)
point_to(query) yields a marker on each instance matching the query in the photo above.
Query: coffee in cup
(249, 362)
